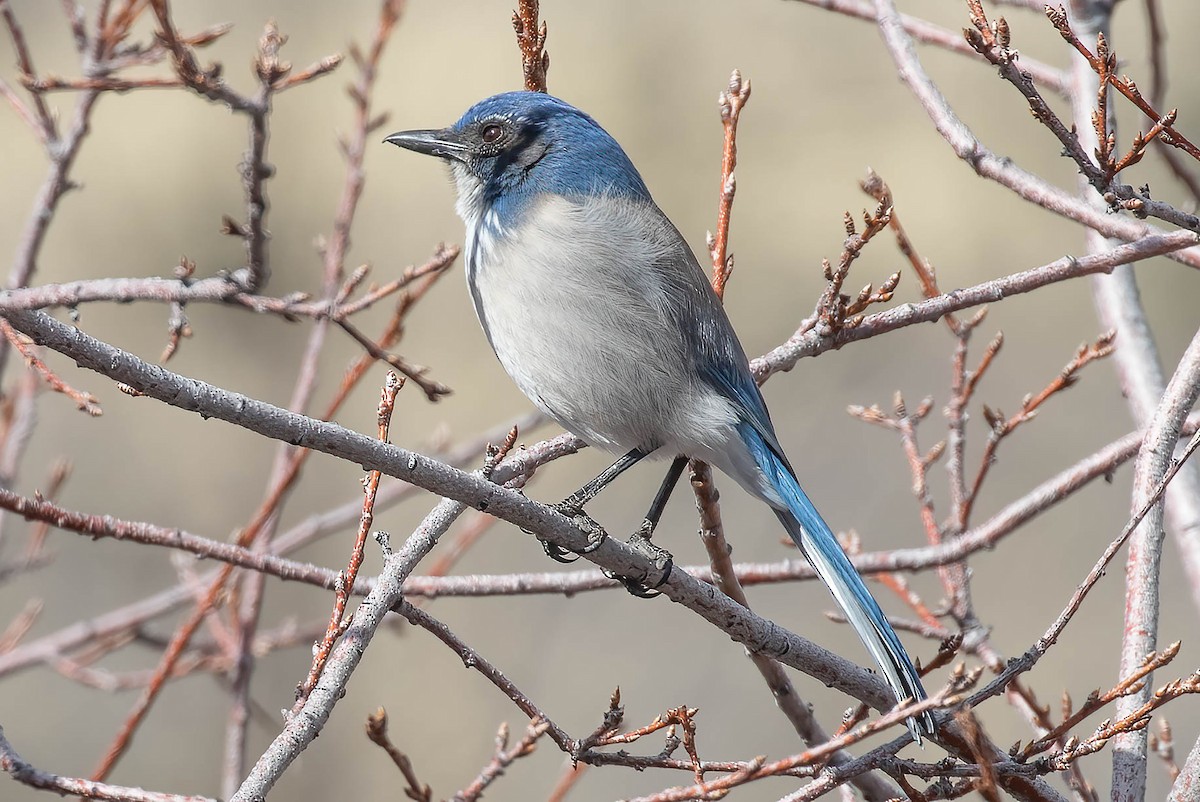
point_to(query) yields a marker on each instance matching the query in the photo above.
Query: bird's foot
(639, 541)
(595, 532)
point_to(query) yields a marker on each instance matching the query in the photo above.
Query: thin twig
(731, 101)
(531, 39)
(21, 771)
(345, 580)
(377, 725)
(502, 759)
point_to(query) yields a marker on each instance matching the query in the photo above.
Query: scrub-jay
(600, 313)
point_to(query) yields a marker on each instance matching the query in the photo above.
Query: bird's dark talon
(638, 589)
(595, 532)
(634, 586)
(639, 541)
(553, 551)
(558, 553)
(666, 572)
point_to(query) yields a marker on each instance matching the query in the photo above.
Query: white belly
(585, 336)
(577, 352)
(588, 317)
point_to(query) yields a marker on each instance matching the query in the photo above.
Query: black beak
(445, 143)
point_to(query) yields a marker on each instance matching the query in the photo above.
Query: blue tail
(812, 535)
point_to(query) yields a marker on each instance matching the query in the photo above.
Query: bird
(600, 313)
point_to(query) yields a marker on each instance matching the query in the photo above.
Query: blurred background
(160, 169)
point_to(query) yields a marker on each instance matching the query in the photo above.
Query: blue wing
(720, 361)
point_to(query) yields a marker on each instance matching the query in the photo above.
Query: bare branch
(23, 772)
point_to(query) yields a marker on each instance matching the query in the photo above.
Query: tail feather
(819, 545)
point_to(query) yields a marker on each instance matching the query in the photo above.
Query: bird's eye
(491, 133)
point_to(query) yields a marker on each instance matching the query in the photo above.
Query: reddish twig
(166, 667)
(477, 662)
(377, 725)
(682, 717)
(433, 389)
(183, 290)
(54, 83)
(950, 696)
(354, 147)
(878, 189)
(712, 533)
(37, 537)
(345, 581)
(1162, 744)
(835, 312)
(1156, 47)
(986, 163)
(1128, 685)
(46, 125)
(992, 41)
(531, 38)
(731, 101)
(1099, 61)
(572, 773)
(83, 399)
(288, 461)
(502, 759)
(312, 72)
(20, 625)
(1000, 427)
(811, 343)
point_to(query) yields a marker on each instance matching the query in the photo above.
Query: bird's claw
(635, 588)
(558, 553)
(639, 541)
(596, 534)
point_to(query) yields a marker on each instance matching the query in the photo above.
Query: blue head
(510, 148)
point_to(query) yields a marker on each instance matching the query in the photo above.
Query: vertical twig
(712, 531)
(337, 619)
(287, 460)
(570, 777)
(1142, 576)
(47, 127)
(1139, 369)
(531, 38)
(730, 101)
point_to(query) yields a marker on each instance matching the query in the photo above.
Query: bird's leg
(572, 506)
(640, 539)
(654, 514)
(574, 502)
